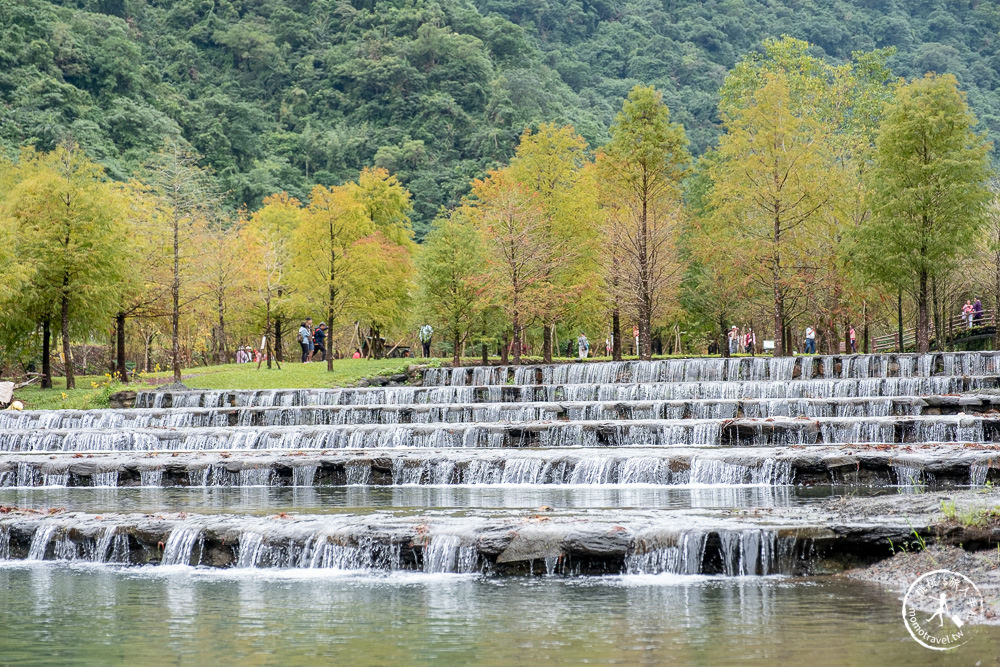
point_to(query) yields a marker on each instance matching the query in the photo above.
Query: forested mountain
(282, 94)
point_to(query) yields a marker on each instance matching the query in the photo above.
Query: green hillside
(282, 94)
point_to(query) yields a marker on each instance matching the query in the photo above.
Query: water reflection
(188, 615)
(270, 500)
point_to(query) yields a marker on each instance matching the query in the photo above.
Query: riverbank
(895, 574)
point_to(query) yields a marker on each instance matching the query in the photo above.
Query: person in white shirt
(810, 340)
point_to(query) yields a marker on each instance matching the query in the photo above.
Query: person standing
(734, 341)
(853, 339)
(582, 346)
(977, 312)
(424, 335)
(749, 341)
(319, 340)
(810, 340)
(967, 313)
(305, 340)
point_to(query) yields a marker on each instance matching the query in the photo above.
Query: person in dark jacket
(319, 341)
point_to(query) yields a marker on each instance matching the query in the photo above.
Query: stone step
(497, 412)
(662, 433)
(938, 465)
(721, 369)
(662, 391)
(789, 540)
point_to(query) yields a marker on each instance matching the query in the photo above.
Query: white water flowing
(180, 545)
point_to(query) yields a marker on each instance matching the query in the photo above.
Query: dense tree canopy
(272, 161)
(282, 95)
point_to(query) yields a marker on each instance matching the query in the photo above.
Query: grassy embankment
(93, 391)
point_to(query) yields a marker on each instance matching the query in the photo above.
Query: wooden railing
(956, 325)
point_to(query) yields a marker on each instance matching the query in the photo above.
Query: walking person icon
(941, 610)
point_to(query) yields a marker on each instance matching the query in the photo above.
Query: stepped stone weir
(862, 466)
(664, 433)
(703, 543)
(898, 421)
(335, 415)
(662, 391)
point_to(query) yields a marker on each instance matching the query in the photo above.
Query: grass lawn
(93, 391)
(291, 376)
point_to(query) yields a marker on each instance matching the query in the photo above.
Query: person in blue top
(306, 340)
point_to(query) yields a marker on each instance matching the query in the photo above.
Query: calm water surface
(268, 500)
(67, 614)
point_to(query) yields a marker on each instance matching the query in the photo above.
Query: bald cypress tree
(928, 189)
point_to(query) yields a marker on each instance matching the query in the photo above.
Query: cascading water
(685, 556)
(580, 426)
(445, 553)
(179, 547)
(40, 541)
(978, 473)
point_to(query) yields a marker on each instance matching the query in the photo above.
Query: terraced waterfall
(709, 478)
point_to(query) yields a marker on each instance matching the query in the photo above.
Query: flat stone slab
(797, 540)
(937, 464)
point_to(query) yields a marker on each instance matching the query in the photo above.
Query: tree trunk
(147, 344)
(899, 321)
(278, 354)
(485, 352)
(935, 309)
(175, 300)
(779, 297)
(516, 322)
(616, 335)
(267, 330)
(547, 342)
(645, 335)
(864, 332)
(723, 336)
(996, 304)
(456, 343)
(779, 323)
(331, 301)
(46, 353)
(923, 321)
(221, 356)
(64, 324)
(120, 360)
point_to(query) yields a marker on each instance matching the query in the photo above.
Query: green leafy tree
(550, 163)
(928, 188)
(450, 278)
(323, 249)
(268, 236)
(188, 194)
(72, 241)
(513, 226)
(640, 174)
(771, 184)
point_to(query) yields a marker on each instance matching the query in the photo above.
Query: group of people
(313, 341)
(247, 355)
(972, 313)
(809, 345)
(746, 341)
(742, 341)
